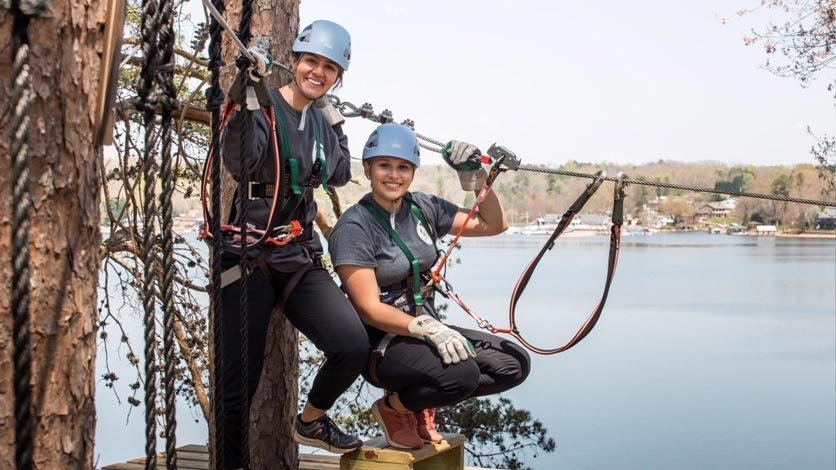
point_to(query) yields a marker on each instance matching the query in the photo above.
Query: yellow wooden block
(376, 454)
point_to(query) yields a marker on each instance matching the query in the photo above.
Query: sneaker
(399, 428)
(426, 425)
(325, 434)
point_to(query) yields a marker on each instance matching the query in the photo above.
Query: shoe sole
(300, 439)
(379, 419)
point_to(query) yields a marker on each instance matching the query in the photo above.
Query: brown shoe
(399, 428)
(426, 425)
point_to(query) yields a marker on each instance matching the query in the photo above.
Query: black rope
(168, 100)
(214, 100)
(682, 187)
(146, 103)
(21, 202)
(247, 137)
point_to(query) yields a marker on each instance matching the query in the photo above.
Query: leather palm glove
(451, 345)
(466, 159)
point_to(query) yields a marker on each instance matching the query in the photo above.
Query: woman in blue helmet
(314, 152)
(379, 248)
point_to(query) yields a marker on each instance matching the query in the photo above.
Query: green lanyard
(292, 162)
(378, 214)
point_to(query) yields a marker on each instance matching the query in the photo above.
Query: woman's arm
(361, 286)
(232, 146)
(489, 218)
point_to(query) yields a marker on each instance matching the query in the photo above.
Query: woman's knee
(518, 374)
(460, 380)
(352, 354)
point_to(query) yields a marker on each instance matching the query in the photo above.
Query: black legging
(414, 370)
(318, 309)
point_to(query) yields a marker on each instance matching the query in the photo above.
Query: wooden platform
(196, 457)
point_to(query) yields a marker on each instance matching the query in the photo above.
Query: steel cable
(681, 186)
(366, 111)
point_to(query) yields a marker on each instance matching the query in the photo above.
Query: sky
(615, 81)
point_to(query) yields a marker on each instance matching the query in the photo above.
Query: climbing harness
(415, 264)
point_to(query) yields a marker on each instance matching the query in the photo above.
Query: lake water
(714, 351)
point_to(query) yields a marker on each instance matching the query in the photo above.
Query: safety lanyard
(415, 264)
(292, 162)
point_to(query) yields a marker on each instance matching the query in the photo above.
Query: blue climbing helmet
(327, 39)
(393, 140)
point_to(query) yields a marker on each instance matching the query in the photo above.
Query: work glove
(332, 116)
(466, 159)
(263, 65)
(451, 345)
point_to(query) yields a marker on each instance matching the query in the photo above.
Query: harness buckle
(253, 192)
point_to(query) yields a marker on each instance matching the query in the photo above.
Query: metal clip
(600, 176)
(619, 186)
(509, 159)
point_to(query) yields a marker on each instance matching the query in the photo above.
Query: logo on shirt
(423, 235)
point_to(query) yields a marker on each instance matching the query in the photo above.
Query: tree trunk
(64, 237)
(274, 406)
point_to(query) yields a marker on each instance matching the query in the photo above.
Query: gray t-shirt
(358, 239)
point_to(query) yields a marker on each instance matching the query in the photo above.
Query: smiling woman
(383, 249)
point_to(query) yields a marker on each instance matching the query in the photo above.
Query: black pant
(318, 309)
(414, 370)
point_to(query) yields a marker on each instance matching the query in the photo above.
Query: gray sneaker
(325, 434)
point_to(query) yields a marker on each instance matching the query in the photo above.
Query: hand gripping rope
(503, 161)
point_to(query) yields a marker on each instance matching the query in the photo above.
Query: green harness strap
(292, 162)
(378, 214)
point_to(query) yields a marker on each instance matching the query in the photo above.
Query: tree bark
(275, 403)
(64, 237)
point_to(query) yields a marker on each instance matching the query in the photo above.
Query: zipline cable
(349, 110)
(25, 421)
(366, 111)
